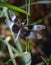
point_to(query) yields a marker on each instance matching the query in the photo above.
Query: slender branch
(44, 60)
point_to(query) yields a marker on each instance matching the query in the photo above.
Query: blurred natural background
(40, 40)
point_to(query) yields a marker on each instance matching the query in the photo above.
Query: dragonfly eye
(15, 28)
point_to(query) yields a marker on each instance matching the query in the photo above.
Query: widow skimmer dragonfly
(23, 29)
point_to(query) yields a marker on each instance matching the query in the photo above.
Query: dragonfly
(21, 28)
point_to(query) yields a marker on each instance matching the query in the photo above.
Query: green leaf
(18, 45)
(13, 7)
(17, 14)
(50, 60)
(9, 49)
(11, 54)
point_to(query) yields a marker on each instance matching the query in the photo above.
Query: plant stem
(28, 19)
(28, 11)
(34, 3)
